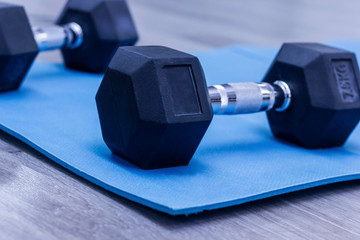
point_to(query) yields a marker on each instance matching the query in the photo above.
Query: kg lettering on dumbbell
(154, 105)
(87, 32)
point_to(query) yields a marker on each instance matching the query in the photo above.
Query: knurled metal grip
(55, 37)
(240, 98)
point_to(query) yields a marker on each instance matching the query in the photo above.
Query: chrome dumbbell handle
(240, 98)
(55, 37)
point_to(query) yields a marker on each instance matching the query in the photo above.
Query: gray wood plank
(41, 200)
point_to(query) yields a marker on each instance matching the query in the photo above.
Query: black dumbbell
(87, 32)
(154, 105)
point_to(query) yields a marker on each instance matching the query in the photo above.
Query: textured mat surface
(238, 160)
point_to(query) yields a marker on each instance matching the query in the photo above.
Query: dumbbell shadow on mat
(154, 105)
(87, 32)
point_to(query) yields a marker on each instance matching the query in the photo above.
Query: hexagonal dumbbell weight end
(153, 106)
(106, 25)
(18, 48)
(325, 105)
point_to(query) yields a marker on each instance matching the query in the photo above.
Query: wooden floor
(40, 200)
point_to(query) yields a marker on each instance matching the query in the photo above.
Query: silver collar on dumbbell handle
(55, 37)
(240, 98)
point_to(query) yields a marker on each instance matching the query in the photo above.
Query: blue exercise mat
(238, 160)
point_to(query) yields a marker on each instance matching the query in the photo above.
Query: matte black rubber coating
(18, 48)
(106, 24)
(153, 106)
(325, 104)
